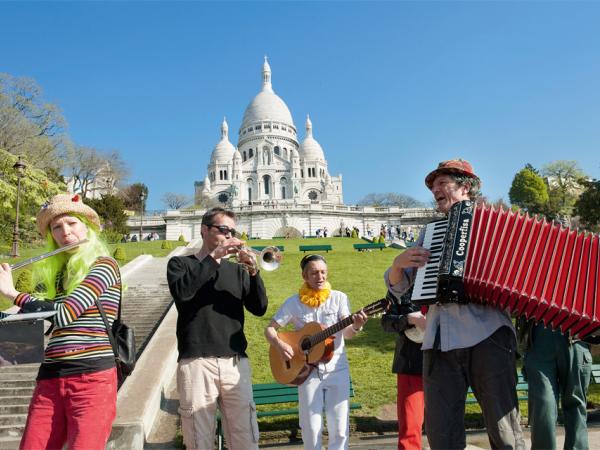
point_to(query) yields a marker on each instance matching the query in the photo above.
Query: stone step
(20, 368)
(17, 376)
(12, 431)
(13, 419)
(14, 409)
(15, 400)
(18, 383)
(12, 392)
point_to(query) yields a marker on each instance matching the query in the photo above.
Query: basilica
(269, 166)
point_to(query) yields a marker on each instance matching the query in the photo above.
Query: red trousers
(411, 407)
(76, 409)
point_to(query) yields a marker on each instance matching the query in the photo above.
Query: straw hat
(65, 204)
(452, 166)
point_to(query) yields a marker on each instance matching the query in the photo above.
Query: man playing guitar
(328, 384)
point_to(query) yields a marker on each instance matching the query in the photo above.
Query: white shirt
(332, 311)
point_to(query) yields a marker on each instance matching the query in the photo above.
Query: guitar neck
(330, 331)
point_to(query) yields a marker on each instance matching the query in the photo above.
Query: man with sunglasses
(211, 294)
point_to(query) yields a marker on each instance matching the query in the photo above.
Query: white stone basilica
(276, 185)
(269, 165)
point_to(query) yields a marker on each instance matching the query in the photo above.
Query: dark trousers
(489, 368)
(555, 368)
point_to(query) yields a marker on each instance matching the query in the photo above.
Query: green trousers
(557, 369)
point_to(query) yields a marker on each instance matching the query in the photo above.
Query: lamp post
(19, 168)
(142, 197)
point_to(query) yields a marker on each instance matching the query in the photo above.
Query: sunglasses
(224, 229)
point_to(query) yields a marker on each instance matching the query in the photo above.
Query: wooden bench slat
(311, 248)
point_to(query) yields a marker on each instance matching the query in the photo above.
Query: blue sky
(392, 88)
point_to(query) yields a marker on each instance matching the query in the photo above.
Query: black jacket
(408, 357)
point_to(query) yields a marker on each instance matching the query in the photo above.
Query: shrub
(24, 281)
(111, 236)
(166, 245)
(354, 234)
(381, 239)
(181, 238)
(119, 254)
(244, 236)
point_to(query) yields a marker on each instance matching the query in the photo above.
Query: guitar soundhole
(305, 345)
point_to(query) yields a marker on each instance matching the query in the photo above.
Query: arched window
(244, 156)
(285, 153)
(277, 150)
(250, 153)
(267, 184)
(283, 183)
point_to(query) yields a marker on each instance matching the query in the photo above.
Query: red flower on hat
(76, 198)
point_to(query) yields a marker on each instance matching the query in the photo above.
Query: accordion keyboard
(426, 281)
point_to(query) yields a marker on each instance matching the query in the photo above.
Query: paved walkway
(476, 440)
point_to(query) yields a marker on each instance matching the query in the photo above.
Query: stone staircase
(143, 309)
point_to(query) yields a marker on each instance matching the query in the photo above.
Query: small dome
(224, 150)
(267, 105)
(237, 156)
(310, 149)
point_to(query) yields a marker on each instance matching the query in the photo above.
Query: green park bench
(523, 388)
(260, 248)
(315, 248)
(276, 394)
(368, 246)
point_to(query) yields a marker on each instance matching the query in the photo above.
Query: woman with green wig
(74, 401)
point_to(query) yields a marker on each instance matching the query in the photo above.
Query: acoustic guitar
(312, 344)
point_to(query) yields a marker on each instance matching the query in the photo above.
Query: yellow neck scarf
(314, 298)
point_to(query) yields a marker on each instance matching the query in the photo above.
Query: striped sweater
(79, 331)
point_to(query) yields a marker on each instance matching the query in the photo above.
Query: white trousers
(328, 391)
(204, 383)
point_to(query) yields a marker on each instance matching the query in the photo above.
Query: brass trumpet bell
(269, 258)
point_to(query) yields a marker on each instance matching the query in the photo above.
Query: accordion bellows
(534, 268)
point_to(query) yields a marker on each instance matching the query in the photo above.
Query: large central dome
(267, 106)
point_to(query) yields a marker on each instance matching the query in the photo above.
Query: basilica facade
(269, 165)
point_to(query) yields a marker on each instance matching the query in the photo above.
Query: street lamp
(142, 197)
(19, 168)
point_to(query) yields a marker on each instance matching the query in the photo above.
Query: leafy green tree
(131, 196)
(111, 210)
(587, 206)
(528, 191)
(36, 189)
(564, 180)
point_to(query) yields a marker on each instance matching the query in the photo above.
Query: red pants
(411, 407)
(77, 409)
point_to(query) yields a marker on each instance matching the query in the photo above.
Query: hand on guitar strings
(418, 319)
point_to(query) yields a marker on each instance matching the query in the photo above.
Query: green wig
(71, 267)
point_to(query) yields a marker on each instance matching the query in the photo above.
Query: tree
(564, 179)
(111, 210)
(389, 199)
(29, 126)
(587, 206)
(91, 170)
(36, 188)
(528, 191)
(131, 196)
(175, 201)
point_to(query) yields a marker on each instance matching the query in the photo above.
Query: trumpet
(269, 258)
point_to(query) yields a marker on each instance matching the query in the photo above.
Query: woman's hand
(7, 287)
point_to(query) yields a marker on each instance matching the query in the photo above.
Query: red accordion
(534, 268)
